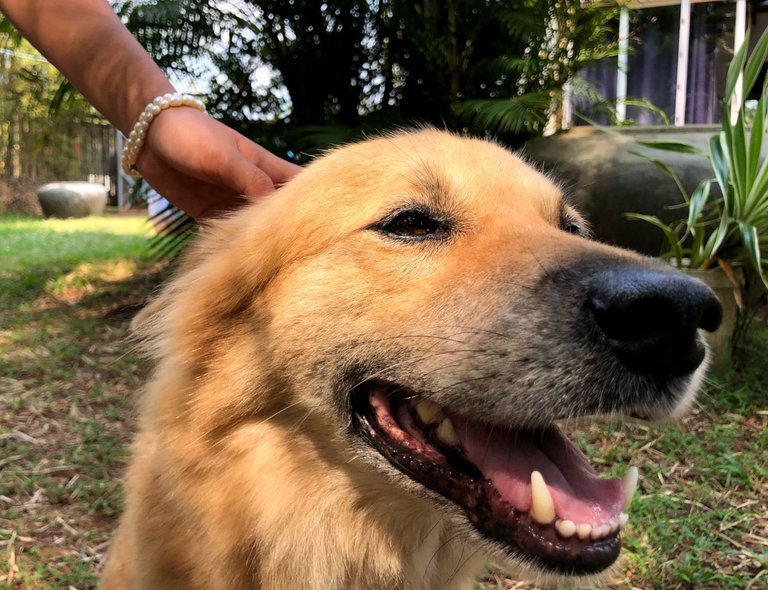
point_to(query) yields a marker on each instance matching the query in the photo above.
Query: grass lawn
(68, 383)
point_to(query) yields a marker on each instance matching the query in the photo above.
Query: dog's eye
(574, 225)
(412, 224)
(570, 226)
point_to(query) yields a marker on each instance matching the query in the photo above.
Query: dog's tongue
(508, 458)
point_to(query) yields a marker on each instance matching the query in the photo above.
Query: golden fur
(243, 474)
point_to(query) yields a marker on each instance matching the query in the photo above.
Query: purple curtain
(653, 62)
(602, 76)
(701, 100)
(652, 73)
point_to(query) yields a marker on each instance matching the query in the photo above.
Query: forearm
(87, 42)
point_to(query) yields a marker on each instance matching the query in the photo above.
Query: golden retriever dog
(358, 380)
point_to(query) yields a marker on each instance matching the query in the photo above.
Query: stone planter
(606, 179)
(720, 341)
(72, 199)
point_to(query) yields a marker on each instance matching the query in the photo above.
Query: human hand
(204, 167)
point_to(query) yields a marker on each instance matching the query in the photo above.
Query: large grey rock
(607, 180)
(72, 199)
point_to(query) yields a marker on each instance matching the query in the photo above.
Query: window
(672, 54)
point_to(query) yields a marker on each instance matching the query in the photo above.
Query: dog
(357, 380)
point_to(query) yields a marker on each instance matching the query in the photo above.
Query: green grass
(38, 254)
(67, 392)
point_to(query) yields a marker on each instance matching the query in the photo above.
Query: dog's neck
(305, 516)
(340, 525)
(235, 488)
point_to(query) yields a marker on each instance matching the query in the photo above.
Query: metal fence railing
(40, 151)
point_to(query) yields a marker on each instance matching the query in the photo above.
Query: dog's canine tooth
(583, 530)
(429, 412)
(623, 518)
(566, 528)
(614, 524)
(542, 505)
(630, 485)
(447, 433)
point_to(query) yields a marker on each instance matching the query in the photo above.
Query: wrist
(153, 109)
(137, 99)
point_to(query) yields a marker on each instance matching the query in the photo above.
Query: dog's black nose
(650, 317)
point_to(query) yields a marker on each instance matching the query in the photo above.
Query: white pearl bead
(138, 134)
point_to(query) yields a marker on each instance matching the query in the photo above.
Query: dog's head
(434, 306)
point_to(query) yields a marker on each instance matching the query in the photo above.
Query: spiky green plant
(729, 228)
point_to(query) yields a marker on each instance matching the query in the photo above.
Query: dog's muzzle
(601, 337)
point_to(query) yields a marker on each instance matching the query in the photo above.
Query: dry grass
(67, 390)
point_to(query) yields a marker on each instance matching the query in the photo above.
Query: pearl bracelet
(139, 132)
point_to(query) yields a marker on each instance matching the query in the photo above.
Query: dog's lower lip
(432, 463)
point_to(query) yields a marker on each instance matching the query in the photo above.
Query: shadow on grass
(28, 272)
(744, 387)
(68, 387)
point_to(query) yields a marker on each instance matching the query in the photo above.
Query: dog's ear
(220, 275)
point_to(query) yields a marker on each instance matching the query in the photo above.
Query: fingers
(244, 178)
(215, 207)
(278, 170)
(212, 168)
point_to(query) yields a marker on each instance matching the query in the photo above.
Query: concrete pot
(720, 341)
(72, 199)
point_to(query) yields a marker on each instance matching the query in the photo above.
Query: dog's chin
(683, 391)
(529, 493)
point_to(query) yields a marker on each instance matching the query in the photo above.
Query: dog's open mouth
(531, 490)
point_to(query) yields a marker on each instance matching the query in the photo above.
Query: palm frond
(524, 113)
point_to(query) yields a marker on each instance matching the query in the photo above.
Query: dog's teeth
(583, 530)
(566, 528)
(630, 485)
(542, 506)
(429, 412)
(447, 433)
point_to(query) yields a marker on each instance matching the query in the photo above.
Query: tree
(340, 68)
(33, 110)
